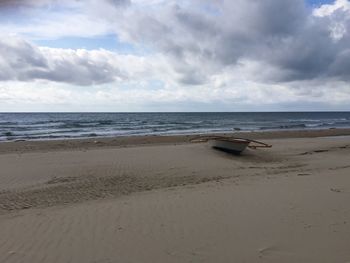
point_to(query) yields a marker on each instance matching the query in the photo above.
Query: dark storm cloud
(341, 66)
(36, 3)
(119, 2)
(283, 34)
(24, 3)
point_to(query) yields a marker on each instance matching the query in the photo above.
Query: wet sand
(162, 199)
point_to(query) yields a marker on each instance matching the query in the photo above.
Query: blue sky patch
(319, 2)
(108, 42)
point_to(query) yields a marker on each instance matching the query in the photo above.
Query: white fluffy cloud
(24, 61)
(330, 9)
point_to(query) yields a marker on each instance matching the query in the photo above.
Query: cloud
(23, 61)
(330, 9)
(239, 95)
(284, 34)
(38, 3)
(282, 51)
(201, 38)
(22, 3)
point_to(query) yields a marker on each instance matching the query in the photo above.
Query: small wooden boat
(231, 144)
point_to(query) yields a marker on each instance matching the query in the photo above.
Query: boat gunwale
(243, 141)
(246, 141)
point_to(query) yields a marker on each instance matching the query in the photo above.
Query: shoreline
(142, 140)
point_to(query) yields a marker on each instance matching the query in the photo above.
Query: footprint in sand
(336, 190)
(266, 251)
(304, 174)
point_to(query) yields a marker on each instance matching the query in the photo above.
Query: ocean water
(46, 126)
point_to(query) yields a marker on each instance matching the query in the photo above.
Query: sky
(174, 55)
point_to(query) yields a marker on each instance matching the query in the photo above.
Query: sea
(49, 126)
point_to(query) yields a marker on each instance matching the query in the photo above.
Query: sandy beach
(164, 199)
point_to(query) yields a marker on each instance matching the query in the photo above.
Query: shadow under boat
(231, 145)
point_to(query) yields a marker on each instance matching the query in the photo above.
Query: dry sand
(170, 201)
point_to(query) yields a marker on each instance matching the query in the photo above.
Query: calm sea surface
(32, 126)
